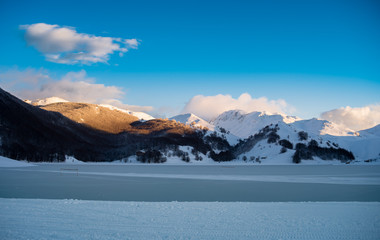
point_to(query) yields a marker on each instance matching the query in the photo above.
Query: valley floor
(100, 201)
(192, 182)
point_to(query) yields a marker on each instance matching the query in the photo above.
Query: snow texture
(7, 162)
(375, 131)
(192, 120)
(365, 145)
(139, 115)
(78, 219)
(46, 101)
(244, 124)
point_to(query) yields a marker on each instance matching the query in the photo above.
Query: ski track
(78, 219)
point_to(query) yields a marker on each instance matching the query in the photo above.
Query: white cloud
(74, 86)
(209, 107)
(354, 118)
(133, 43)
(66, 45)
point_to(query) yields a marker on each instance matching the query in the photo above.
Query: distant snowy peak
(192, 120)
(375, 131)
(323, 127)
(244, 124)
(139, 115)
(46, 101)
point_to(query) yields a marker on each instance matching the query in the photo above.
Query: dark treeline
(307, 152)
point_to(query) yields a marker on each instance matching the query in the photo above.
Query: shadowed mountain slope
(31, 133)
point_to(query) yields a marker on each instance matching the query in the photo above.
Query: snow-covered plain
(192, 182)
(140, 201)
(78, 219)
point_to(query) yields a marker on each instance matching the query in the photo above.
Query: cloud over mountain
(354, 118)
(65, 45)
(74, 86)
(209, 107)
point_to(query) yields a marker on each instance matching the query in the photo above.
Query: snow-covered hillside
(7, 162)
(192, 120)
(139, 115)
(46, 101)
(375, 131)
(323, 127)
(244, 124)
(364, 148)
(51, 100)
(236, 124)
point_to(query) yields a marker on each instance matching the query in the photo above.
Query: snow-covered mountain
(46, 101)
(365, 145)
(257, 137)
(323, 127)
(52, 100)
(192, 120)
(244, 124)
(375, 131)
(139, 115)
(235, 124)
(90, 132)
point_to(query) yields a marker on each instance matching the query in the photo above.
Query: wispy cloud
(354, 118)
(65, 45)
(74, 86)
(209, 107)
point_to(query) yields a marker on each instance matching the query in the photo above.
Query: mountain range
(54, 129)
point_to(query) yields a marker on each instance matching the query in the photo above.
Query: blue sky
(315, 55)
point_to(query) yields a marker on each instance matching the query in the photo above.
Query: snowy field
(78, 219)
(131, 201)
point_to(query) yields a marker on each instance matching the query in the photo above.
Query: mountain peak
(243, 124)
(139, 115)
(46, 101)
(192, 119)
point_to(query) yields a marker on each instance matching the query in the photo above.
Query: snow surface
(364, 147)
(375, 131)
(72, 160)
(365, 144)
(7, 162)
(46, 101)
(323, 127)
(139, 115)
(192, 120)
(78, 219)
(51, 100)
(243, 124)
